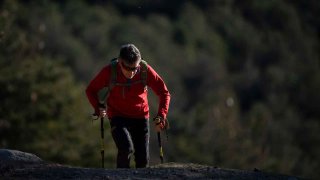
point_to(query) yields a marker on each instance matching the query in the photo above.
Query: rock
(21, 165)
(14, 156)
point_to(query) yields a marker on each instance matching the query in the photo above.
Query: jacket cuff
(162, 115)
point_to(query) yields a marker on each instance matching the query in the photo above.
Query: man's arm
(100, 81)
(156, 83)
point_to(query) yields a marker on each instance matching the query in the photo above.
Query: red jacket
(130, 101)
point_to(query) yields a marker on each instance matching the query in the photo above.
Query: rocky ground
(20, 165)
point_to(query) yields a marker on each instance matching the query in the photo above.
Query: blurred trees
(244, 78)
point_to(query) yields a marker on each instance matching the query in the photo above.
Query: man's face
(129, 70)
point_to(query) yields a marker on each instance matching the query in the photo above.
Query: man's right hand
(103, 112)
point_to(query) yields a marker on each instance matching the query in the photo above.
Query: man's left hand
(160, 123)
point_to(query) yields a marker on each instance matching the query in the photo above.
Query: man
(127, 104)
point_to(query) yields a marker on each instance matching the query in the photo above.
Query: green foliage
(45, 112)
(243, 75)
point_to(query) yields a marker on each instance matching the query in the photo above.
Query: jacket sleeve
(100, 81)
(155, 82)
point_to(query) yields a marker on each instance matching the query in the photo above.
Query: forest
(243, 75)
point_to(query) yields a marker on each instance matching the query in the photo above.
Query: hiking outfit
(128, 109)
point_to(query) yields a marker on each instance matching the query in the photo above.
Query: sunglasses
(128, 68)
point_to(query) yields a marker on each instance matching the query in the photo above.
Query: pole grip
(160, 147)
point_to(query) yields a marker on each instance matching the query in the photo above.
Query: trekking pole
(160, 147)
(102, 141)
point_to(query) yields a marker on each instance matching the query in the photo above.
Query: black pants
(131, 136)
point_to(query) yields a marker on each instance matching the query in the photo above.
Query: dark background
(244, 78)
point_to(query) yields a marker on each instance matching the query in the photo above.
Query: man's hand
(102, 113)
(160, 123)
